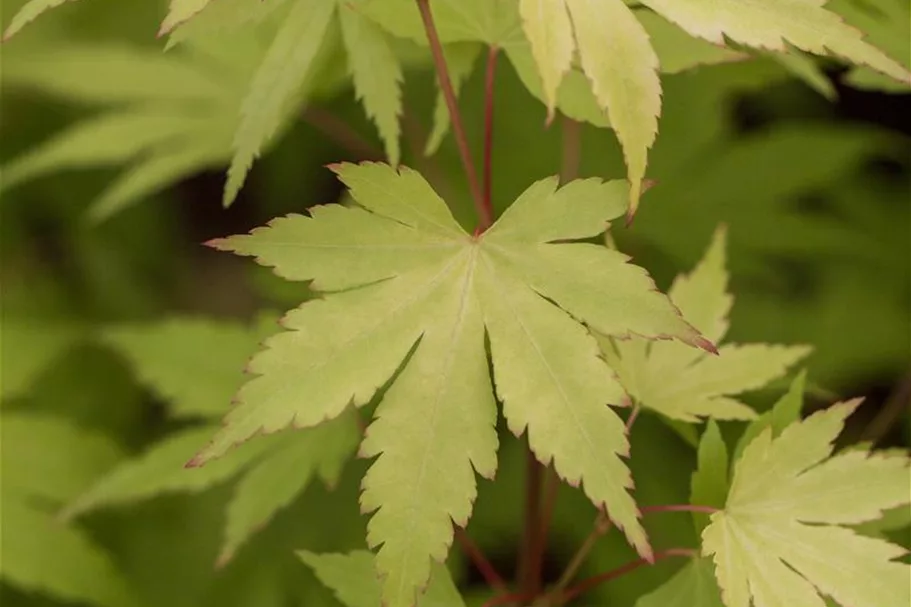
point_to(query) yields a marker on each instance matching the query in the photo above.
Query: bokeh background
(811, 175)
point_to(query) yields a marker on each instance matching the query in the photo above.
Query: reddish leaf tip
(196, 462)
(701, 342)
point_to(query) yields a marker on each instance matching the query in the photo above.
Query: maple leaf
(352, 577)
(684, 383)
(45, 462)
(773, 23)
(780, 539)
(407, 296)
(194, 364)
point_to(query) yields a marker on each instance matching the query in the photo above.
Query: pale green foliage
(45, 462)
(376, 73)
(692, 586)
(221, 18)
(888, 26)
(683, 383)
(709, 484)
(773, 23)
(180, 11)
(623, 71)
(276, 83)
(28, 13)
(352, 577)
(783, 413)
(279, 477)
(166, 115)
(194, 364)
(414, 293)
(780, 539)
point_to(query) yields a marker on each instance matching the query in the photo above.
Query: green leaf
(220, 19)
(28, 13)
(624, 77)
(693, 586)
(678, 51)
(773, 23)
(41, 555)
(161, 470)
(28, 346)
(275, 84)
(276, 479)
(888, 26)
(780, 540)
(194, 364)
(783, 413)
(377, 75)
(550, 33)
(489, 21)
(709, 484)
(460, 59)
(805, 68)
(353, 579)
(48, 458)
(686, 384)
(418, 319)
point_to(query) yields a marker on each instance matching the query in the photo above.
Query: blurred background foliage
(806, 163)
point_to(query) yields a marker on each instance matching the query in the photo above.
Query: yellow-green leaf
(550, 32)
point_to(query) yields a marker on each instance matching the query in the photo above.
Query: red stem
(529, 571)
(633, 416)
(572, 149)
(589, 583)
(551, 485)
(458, 129)
(488, 129)
(471, 550)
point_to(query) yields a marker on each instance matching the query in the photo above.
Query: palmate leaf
(408, 295)
(781, 538)
(888, 25)
(685, 384)
(352, 577)
(806, 25)
(30, 11)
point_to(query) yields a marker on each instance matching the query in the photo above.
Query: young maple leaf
(409, 295)
(780, 539)
(684, 383)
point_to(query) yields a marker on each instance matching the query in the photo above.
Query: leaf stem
(551, 484)
(529, 571)
(481, 563)
(571, 156)
(602, 526)
(589, 583)
(488, 129)
(507, 599)
(458, 129)
(633, 416)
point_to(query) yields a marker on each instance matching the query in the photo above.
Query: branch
(436, 49)
(571, 156)
(529, 570)
(481, 563)
(488, 130)
(589, 583)
(679, 508)
(601, 527)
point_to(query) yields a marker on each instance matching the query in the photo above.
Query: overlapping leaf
(47, 461)
(409, 296)
(352, 577)
(686, 384)
(782, 539)
(195, 365)
(693, 586)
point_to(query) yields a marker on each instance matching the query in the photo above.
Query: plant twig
(340, 132)
(601, 527)
(481, 563)
(529, 572)
(488, 129)
(507, 599)
(589, 583)
(551, 484)
(571, 156)
(458, 129)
